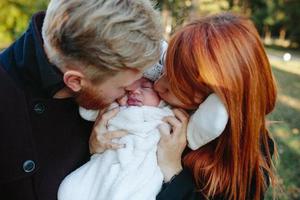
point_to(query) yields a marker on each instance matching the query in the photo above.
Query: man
(82, 52)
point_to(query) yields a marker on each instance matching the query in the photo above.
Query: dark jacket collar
(26, 58)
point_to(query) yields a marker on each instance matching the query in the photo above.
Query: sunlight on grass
(283, 132)
(289, 101)
(291, 66)
(285, 125)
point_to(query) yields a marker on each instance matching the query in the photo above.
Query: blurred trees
(292, 9)
(273, 18)
(14, 17)
(174, 13)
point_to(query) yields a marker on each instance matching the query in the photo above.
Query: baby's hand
(101, 138)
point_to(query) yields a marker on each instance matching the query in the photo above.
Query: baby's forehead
(145, 80)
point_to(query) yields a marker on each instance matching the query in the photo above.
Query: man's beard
(89, 98)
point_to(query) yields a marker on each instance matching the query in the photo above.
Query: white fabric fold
(207, 123)
(130, 173)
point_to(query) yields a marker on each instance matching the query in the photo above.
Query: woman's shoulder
(180, 187)
(183, 187)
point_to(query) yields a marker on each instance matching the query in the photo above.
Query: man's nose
(132, 86)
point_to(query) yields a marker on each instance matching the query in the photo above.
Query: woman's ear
(74, 80)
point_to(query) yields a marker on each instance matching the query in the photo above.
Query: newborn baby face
(140, 93)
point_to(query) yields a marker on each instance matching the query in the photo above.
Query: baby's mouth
(134, 102)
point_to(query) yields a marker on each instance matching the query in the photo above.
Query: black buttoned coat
(41, 139)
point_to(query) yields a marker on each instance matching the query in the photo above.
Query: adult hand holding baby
(172, 143)
(101, 138)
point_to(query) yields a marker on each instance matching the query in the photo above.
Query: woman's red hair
(223, 54)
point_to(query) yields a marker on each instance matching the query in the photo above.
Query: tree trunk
(166, 20)
(282, 34)
(246, 7)
(268, 35)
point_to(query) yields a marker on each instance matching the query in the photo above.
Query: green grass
(281, 50)
(286, 128)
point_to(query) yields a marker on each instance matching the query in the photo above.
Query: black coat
(183, 187)
(41, 139)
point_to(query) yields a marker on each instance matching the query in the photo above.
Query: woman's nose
(132, 87)
(159, 86)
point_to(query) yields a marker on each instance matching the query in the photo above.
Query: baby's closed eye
(147, 84)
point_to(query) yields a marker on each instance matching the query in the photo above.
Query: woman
(219, 54)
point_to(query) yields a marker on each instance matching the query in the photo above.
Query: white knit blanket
(130, 173)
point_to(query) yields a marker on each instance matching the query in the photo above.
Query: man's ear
(74, 80)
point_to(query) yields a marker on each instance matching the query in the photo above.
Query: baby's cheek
(151, 99)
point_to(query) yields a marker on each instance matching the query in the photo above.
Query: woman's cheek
(169, 98)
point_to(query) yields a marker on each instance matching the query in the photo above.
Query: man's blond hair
(102, 36)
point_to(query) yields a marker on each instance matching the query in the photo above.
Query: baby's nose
(136, 91)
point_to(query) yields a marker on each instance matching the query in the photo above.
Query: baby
(130, 173)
